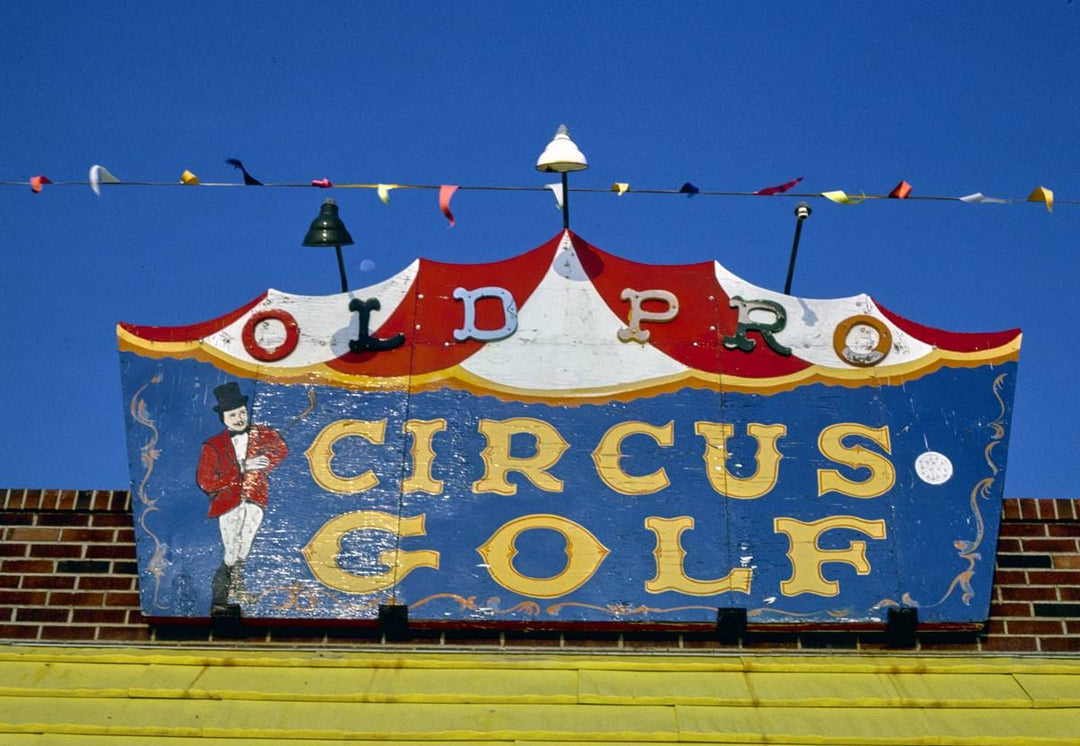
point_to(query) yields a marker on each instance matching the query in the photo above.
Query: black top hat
(229, 397)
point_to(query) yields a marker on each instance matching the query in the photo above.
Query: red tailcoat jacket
(219, 473)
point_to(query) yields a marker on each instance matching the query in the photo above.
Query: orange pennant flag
(37, 181)
(900, 191)
(446, 192)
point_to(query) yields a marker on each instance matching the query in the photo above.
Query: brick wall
(68, 574)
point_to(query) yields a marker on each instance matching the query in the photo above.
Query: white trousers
(238, 528)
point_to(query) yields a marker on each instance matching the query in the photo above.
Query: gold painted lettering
(584, 553)
(670, 563)
(498, 461)
(716, 435)
(322, 551)
(882, 474)
(807, 557)
(609, 452)
(422, 455)
(321, 453)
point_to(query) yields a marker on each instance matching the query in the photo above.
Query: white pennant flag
(980, 198)
(100, 175)
(556, 189)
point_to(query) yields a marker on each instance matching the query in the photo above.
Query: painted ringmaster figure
(233, 469)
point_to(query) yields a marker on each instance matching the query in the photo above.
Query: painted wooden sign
(567, 437)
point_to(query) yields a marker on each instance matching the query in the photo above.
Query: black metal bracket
(394, 621)
(730, 624)
(901, 626)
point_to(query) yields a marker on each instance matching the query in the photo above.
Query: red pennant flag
(322, 183)
(37, 181)
(779, 189)
(901, 191)
(446, 192)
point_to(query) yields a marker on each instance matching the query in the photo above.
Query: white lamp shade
(561, 155)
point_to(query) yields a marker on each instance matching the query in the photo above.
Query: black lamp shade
(327, 229)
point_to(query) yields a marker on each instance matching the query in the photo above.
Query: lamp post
(802, 212)
(562, 156)
(327, 230)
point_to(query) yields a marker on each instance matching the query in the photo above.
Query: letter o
(273, 354)
(584, 553)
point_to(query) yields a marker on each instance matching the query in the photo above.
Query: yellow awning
(128, 696)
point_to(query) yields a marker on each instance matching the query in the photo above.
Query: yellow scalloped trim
(457, 377)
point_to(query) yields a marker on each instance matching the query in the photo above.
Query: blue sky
(955, 98)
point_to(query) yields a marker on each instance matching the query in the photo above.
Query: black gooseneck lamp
(328, 230)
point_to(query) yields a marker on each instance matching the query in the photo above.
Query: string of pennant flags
(99, 175)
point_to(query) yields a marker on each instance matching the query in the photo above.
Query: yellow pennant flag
(621, 187)
(1042, 194)
(384, 191)
(840, 197)
(189, 178)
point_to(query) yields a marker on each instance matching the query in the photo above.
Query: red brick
(111, 520)
(56, 550)
(65, 598)
(1053, 577)
(1072, 626)
(1010, 644)
(1047, 510)
(109, 583)
(997, 626)
(1066, 562)
(125, 536)
(1069, 594)
(66, 501)
(1009, 577)
(98, 616)
(28, 566)
(1029, 509)
(31, 499)
(109, 551)
(122, 599)
(1011, 510)
(1034, 627)
(19, 631)
(1006, 545)
(1066, 510)
(66, 582)
(23, 598)
(120, 501)
(42, 615)
(1050, 545)
(65, 520)
(32, 534)
(1059, 644)
(134, 616)
(1028, 594)
(127, 634)
(1063, 529)
(1023, 529)
(67, 632)
(9, 549)
(16, 519)
(9, 581)
(49, 499)
(100, 535)
(1010, 609)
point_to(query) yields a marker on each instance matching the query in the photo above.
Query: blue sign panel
(562, 438)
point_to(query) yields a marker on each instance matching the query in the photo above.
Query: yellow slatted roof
(135, 697)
